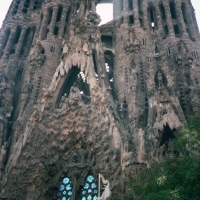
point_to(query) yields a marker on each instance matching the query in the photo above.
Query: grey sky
(106, 11)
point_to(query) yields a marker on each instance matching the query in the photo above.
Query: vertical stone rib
(158, 19)
(20, 43)
(62, 21)
(190, 21)
(116, 9)
(145, 15)
(180, 18)
(136, 12)
(125, 10)
(44, 24)
(53, 20)
(38, 27)
(10, 43)
(168, 17)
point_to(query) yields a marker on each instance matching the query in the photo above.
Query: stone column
(180, 18)
(44, 24)
(37, 30)
(53, 20)
(125, 10)
(116, 9)
(63, 21)
(21, 5)
(136, 12)
(20, 43)
(158, 19)
(9, 43)
(190, 21)
(168, 18)
(145, 15)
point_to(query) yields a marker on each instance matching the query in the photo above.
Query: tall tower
(78, 100)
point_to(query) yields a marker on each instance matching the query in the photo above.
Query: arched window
(65, 190)
(89, 191)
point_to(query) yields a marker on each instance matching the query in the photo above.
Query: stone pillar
(53, 20)
(44, 24)
(158, 19)
(168, 18)
(125, 10)
(63, 21)
(3, 129)
(180, 18)
(190, 21)
(20, 43)
(21, 5)
(37, 30)
(116, 9)
(145, 15)
(136, 12)
(9, 43)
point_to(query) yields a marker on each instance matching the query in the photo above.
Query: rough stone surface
(78, 99)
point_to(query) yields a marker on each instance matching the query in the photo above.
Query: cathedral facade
(84, 106)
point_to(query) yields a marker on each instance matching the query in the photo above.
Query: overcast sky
(104, 10)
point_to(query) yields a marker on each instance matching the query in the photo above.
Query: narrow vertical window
(173, 10)
(89, 191)
(59, 15)
(130, 4)
(65, 189)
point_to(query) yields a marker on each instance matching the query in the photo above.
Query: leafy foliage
(175, 178)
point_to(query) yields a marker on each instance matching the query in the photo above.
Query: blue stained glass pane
(89, 191)
(68, 187)
(69, 193)
(66, 180)
(69, 198)
(89, 197)
(58, 194)
(64, 198)
(95, 198)
(62, 187)
(86, 186)
(83, 198)
(93, 185)
(64, 193)
(84, 192)
(90, 179)
(95, 191)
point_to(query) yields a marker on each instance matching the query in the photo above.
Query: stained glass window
(89, 191)
(65, 190)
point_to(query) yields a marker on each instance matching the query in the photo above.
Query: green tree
(175, 178)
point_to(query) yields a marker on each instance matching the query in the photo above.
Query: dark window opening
(26, 6)
(166, 31)
(167, 135)
(122, 6)
(140, 2)
(16, 8)
(107, 41)
(95, 64)
(59, 15)
(109, 60)
(144, 41)
(184, 13)
(152, 16)
(131, 20)
(52, 49)
(7, 34)
(36, 4)
(12, 51)
(56, 30)
(176, 30)
(157, 49)
(28, 40)
(162, 12)
(50, 12)
(65, 30)
(141, 22)
(18, 33)
(173, 10)
(130, 4)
